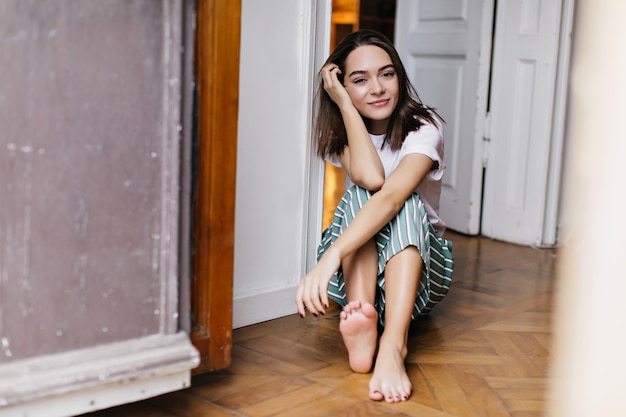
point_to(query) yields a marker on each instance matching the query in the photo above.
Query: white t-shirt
(427, 140)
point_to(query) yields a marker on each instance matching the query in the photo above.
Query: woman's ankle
(393, 342)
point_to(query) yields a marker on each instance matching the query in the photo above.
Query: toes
(402, 393)
(351, 307)
(376, 395)
(390, 395)
(407, 393)
(369, 310)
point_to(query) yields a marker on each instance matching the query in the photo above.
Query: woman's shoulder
(427, 130)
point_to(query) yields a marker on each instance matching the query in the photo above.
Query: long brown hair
(409, 114)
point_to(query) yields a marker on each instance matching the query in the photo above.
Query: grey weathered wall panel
(86, 157)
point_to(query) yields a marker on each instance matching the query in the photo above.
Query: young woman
(383, 258)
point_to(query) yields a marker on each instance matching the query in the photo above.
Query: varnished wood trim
(217, 65)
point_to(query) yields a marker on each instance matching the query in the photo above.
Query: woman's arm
(359, 159)
(375, 213)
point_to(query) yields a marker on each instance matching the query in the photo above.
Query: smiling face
(372, 83)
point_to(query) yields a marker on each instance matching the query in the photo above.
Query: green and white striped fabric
(410, 227)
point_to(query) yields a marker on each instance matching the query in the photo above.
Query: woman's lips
(379, 103)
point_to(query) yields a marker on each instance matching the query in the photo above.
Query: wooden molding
(217, 72)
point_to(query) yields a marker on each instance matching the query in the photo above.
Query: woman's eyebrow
(361, 72)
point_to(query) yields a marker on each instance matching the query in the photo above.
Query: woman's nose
(377, 87)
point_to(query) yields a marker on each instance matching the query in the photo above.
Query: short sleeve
(427, 140)
(333, 160)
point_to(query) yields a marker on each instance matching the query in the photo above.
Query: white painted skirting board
(258, 308)
(91, 379)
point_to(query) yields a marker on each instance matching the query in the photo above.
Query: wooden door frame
(218, 34)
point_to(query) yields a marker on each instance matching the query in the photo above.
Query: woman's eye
(359, 80)
(389, 74)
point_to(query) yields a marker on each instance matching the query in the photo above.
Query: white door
(522, 106)
(446, 48)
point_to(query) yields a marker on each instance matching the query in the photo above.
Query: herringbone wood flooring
(484, 351)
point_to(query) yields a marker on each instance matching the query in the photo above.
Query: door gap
(489, 86)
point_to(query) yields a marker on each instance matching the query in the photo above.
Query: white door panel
(445, 47)
(523, 88)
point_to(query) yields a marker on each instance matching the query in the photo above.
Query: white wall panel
(273, 157)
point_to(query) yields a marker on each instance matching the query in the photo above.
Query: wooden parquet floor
(484, 351)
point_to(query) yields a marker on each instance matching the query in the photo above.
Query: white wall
(590, 323)
(277, 53)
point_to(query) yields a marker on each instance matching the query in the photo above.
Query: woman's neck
(377, 127)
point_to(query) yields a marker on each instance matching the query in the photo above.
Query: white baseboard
(258, 308)
(91, 379)
(106, 396)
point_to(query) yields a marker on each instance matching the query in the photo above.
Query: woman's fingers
(329, 68)
(316, 303)
(328, 79)
(324, 300)
(311, 296)
(334, 71)
(312, 293)
(299, 301)
(330, 75)
(307, 297)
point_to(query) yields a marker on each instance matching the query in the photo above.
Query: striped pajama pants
(410, 227)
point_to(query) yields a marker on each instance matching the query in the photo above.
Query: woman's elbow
(370, 182)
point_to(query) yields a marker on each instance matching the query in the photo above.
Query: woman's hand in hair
(334, 87)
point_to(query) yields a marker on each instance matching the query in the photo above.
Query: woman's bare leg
(359, 318)
(390, 380)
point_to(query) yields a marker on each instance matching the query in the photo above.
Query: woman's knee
(408, 257)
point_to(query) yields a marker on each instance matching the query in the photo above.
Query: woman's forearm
(384, 204)
(374, 214)
(362, 162)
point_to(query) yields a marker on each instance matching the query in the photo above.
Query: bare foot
(390, 380)
(359, 332)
